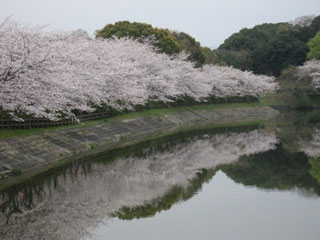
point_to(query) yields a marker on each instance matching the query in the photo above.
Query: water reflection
(275, 169)
(136, 186)
(147, 179)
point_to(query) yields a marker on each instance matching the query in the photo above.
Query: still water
(250, 182)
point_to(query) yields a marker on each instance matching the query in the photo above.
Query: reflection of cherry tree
(43, 73)
(75, 203)
(311, 147)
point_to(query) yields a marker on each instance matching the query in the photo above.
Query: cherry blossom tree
(44, 74)
(311, 69)
(303, 21)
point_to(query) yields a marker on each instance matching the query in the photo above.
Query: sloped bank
(32, 154)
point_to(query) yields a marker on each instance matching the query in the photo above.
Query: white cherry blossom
(45, 73)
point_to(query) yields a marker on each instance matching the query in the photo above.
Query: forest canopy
(270, 48)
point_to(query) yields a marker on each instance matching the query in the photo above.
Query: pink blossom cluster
(45, 73)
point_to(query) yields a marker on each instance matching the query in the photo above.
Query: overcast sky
(209, 21)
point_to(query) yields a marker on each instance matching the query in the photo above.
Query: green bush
(314, 46)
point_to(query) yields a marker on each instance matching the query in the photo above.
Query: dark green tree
(268, 48)
(165, 41)
(274, 56)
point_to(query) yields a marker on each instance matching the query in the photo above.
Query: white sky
(209, 21)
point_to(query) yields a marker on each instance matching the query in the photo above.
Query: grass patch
(16, 171)
(164, 111)
(272, 99)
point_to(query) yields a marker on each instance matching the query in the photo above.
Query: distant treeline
(264, 49)
(270, 48)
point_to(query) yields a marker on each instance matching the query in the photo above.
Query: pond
(248, 182)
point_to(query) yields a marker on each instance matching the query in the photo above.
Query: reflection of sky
(209, 21)
(226, 210)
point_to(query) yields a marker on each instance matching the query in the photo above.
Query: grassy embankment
(154, 112)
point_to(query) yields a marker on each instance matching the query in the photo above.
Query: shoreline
(38, 152)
